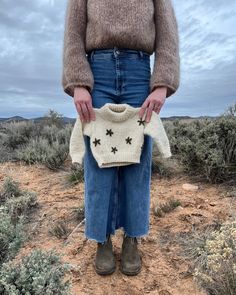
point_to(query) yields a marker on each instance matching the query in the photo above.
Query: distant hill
(72, 120)
(15, 118)
(187, 118)
(36, 120)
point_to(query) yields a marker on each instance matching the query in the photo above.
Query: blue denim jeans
(118, 197)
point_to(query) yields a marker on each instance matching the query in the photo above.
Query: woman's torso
(120, 23)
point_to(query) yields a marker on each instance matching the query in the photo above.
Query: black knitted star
(114, 149)
(96, 141)
(109, 132)
(141, 121)
(128, 140)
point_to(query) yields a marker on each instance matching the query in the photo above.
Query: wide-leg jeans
(118, 197)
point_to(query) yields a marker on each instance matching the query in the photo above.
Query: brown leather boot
(105, 262)
(131, 260)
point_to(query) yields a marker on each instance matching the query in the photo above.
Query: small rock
(179, 208)
(212, 204)
(188, 186)
(201, 207)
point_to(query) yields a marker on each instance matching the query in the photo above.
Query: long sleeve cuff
(77, 158)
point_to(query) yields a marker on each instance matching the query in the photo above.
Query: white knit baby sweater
(117, 136)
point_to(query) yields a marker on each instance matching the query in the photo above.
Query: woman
(106, 58)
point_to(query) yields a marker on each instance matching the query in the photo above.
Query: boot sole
(104, 272)
(130, 273)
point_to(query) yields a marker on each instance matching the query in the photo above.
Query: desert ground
(164, 270)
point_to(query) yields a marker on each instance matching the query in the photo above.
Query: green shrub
(230, 111)
(206, 147)
(40, 151)
(193, 242)
(16, 202)
(56, 155)
(10, 189)
(11, 237)
(53, 118)
(7, 154)
(166, 207)
(38, 273)
(52, 133)
(212, 252)
(76, 175)
(45, 141)
(217, 275)
(34, 152)
(21, 206)
(14, 134)
(60, 229)
(166, 167)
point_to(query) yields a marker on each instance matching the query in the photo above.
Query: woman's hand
(83, 104)
(153, 102)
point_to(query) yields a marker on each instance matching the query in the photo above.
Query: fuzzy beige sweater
(117, 136)
(148, 25)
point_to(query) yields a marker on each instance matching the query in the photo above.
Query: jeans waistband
(117, 51)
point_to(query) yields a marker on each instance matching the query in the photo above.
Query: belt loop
(141, 53)
(114, 50)
(92, 53)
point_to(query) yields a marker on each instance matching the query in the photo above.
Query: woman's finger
(91, 110)
(79, 110)
(84, 111)
(149, 111)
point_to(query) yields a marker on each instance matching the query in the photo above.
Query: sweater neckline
(117, 112)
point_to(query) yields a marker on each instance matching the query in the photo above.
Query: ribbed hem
(121, 159)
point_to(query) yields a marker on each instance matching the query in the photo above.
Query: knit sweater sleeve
(77, 144)
(166, 70)
(76, 69)
(156, 130)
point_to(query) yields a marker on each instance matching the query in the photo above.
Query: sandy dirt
(163, 271)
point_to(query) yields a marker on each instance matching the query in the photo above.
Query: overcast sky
(31, 34)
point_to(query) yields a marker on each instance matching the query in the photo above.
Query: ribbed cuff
(170, 89)
(70, 87)
(77, 158)
(166, 154)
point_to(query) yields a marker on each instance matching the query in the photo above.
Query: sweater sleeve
(166, 56)
(156, 130)
(77, 144)
(76, 68)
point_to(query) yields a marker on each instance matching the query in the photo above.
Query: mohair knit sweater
(148, 25)
(117, 136)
